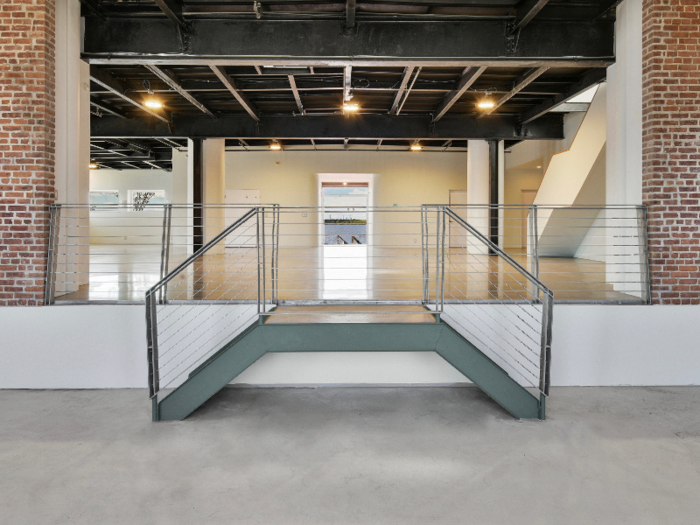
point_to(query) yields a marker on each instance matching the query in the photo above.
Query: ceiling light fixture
(94, 166)
(350, 108)
(416, 146)
(486, 103)
(153, 103)
(275, 146)
(345, 183)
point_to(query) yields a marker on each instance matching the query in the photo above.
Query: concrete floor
(351, 456)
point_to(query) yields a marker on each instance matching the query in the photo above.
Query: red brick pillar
(671, 147)
(26, 146)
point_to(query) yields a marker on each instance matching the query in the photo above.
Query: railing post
(546, 342)
(424, 252)
(534, 255)
(165, 250)
(643, 239)
(52, 256)
(257, 246)
(437, 257)
(264, 270)
(152, 340)
(442, 266)
(275, 250)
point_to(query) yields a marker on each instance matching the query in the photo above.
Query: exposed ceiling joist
(526, 11)
(371, 127)
(606, 6)
(588, 80)
(469, 76)
(141, 40)
(171, 79)
(350, 8)
(407, 72)
(111, 84)
(297, 97)
(242, 99)
(107, 108)
(173, 10)
(347, 83)
(518, 86)
(408, 91)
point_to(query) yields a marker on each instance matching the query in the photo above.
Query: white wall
(124, 226)
(105, 347)
(404, 178)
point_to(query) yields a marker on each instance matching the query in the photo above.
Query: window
(140, 199)
(103, 200)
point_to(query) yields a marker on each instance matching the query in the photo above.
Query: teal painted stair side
(222, 367)
(488, 376)
(213, 375)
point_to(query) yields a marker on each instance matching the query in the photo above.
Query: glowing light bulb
(350, 108)
(153, 103)
(486, 103)
(416, 147)
(94, 166)
(275, 146)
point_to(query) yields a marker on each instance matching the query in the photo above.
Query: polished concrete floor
(351, 456)
(125, 273)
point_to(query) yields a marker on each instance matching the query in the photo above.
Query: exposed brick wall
(671, 147)
(27, 43)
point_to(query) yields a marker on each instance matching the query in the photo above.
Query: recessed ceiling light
(153, 103)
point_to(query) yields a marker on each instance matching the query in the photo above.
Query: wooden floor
(336, 273)
(350, 314)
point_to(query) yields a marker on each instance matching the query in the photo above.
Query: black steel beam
(407, 72)
(526, 11)
(591, 78)
(297, 97)
(322, 42)
(350, 8)
(371, 127)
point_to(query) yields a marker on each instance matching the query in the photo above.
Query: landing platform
(326, 314)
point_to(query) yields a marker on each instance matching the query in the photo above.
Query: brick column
(26, 146)
(671, 147)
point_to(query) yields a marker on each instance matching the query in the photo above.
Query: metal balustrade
(416, 267)
(113, 254)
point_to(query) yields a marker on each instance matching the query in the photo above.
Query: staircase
(493, 324)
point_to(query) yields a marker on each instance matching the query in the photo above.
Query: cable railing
(113, 253)
(269, 265)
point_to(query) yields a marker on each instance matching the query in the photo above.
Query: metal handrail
(498, 251)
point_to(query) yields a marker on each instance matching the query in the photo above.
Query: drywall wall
(119, 227)
(542, 151)
(105, 347)
(517, 180)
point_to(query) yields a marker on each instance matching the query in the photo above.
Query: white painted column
(624, 140)
(214, 174)
(624, 109)
(478, 184)
(182, 194)
(72, 172)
